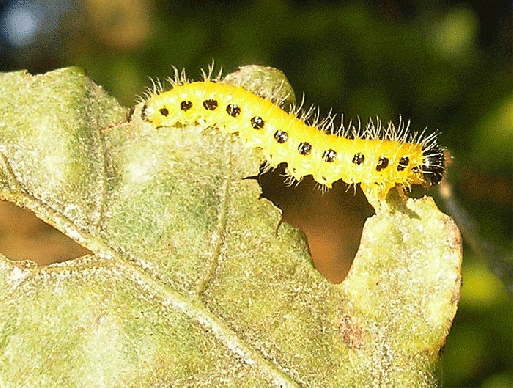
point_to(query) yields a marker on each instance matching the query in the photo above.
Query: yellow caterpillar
(378, 159)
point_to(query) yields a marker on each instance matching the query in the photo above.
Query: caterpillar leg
(376, 194)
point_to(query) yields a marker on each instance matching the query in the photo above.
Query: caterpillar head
(432, 165)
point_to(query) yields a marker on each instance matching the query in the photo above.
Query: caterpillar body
(378, 159)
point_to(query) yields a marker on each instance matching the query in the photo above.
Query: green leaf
(193, 281)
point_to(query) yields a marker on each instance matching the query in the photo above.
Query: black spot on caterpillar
(376, 158)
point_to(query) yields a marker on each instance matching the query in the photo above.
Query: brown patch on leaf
(351, 332)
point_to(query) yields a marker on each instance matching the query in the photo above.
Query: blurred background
(445, 65)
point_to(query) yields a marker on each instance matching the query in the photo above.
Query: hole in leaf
(23, 236)
(332, 221)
